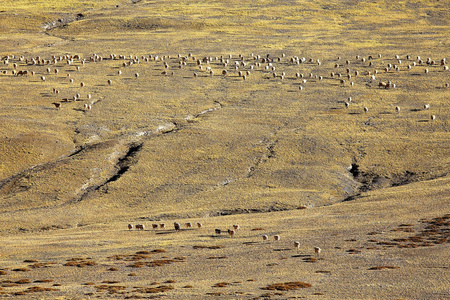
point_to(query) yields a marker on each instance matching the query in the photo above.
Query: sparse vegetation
(287, 286)
(222, 284)
(313, 121)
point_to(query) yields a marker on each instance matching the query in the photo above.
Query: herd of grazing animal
(231, 232)
(361, 70)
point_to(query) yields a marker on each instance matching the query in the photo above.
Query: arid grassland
(321, 122)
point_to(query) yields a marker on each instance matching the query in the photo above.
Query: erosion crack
(268, 154)
(122, 166)
(60, 22)
(371, 181)
(125, 162)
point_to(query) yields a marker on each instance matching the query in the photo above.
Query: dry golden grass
(222, 150)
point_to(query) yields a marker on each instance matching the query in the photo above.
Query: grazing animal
(366, 109)
(433, 117)
(231, 232)
(317, 250)
(217, 231)
(265, 237)
(276, 237)
(390, 85)
(162, 226)
(188, 225)
(155, 226)
(177, 226)
(57, 104)
(130, 226)
(296, 244)
(397, 108)
(426, 106)
(199, 225)
(382, 84)
(22, 73)
(236, 227)
(109, 82)
(139, 227)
